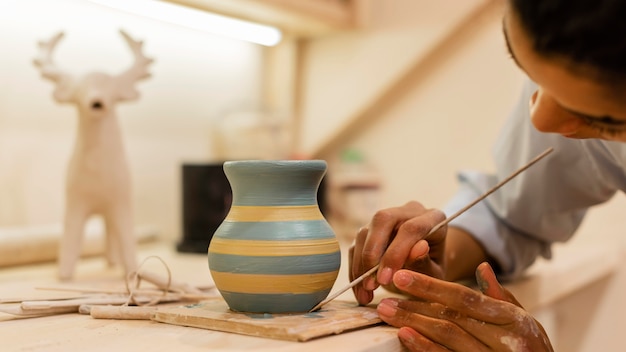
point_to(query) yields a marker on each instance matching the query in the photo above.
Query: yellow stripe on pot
(271, 284)
(274, 213)
(273, 248)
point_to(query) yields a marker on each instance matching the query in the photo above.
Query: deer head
(95, 93)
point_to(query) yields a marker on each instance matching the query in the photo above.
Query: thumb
(490, 286)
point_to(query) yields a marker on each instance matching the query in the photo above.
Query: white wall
(445, 118)
(346, 72)
(195, 77)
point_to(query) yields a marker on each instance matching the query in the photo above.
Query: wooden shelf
(301, 18)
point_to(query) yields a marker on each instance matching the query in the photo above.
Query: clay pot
(275, 252)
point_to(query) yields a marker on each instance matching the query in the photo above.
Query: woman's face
(566, 103)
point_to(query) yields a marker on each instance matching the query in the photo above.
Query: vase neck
(275, 183)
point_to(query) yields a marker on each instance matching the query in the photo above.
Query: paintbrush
(438, 226)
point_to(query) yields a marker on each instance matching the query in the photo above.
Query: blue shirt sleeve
(544, 204)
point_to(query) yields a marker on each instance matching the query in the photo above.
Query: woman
(574, 54)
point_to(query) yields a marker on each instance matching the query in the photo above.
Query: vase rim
(276, 162)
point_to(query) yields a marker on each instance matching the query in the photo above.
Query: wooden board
(334, 318)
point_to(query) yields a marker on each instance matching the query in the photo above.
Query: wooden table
(548, 281)
(76, 332)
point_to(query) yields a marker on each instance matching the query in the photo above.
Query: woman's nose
(548, 116)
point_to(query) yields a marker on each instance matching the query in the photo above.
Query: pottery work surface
(336, 317)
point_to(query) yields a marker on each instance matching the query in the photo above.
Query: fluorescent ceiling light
(196, 19)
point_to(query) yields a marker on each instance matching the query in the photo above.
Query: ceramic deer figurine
(98, 178)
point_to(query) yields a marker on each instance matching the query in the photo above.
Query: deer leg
(76, 215)
(119, 224)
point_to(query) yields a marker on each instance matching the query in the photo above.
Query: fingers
(427, 329)
(364, 294)
(416, 342)
(410, 233)
(460, 298)
(393, 239)
(452, 315)
(371, 244)
(490, 286)
(421, 260)
(383, 233)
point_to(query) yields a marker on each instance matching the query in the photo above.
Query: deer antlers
(44, 59)
(124, 81)
(138, 71)
(50, 71)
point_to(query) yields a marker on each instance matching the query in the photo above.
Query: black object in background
(206, 201)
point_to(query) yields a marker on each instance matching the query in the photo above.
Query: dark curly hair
(590, 34)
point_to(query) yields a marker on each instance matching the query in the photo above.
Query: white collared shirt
(544, 204)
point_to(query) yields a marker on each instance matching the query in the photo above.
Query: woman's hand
(451, 317)
(396, 238)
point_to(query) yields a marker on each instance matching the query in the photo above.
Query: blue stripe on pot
(290, 265)
(275, 303)
(276, 230)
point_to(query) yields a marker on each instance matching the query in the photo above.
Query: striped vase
(274, 252)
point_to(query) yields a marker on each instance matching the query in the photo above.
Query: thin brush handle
(439, 225)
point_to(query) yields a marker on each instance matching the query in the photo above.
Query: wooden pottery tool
(438, 226)
(16, 310)
(72, 304)
(122, 312)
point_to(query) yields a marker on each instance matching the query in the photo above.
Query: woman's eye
(603, 127)
(606, 130)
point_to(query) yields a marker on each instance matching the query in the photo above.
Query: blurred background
(410, 91)
(397, 96)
